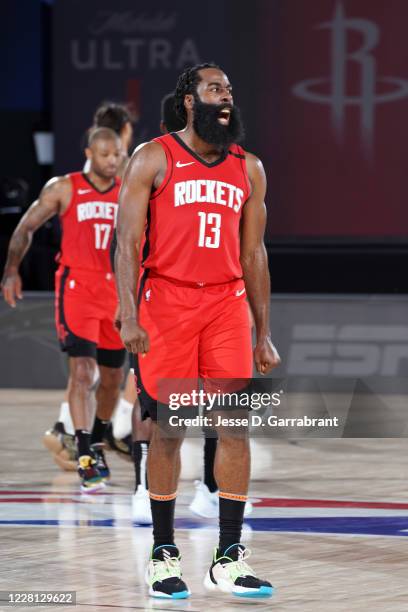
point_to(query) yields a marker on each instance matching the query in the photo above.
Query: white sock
(123, 403)
(122, 419)
(65, 418)
(143, 465)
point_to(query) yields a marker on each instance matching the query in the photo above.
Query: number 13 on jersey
(209, 224)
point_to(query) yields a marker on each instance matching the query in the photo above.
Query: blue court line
(350, 525)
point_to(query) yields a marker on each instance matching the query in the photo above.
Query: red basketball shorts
(85, 305)
(194, 332)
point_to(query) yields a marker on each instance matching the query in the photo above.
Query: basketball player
(204, 198)
(116, 117)
(205, 501)
(60, 438)
(85, 288)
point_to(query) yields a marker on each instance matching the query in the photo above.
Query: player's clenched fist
(134, 337)
(266, 356)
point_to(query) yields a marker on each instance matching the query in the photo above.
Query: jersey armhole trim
(244, 169)
(169, 169)
(64, 214)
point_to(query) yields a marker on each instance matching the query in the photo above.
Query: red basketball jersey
(88, 224)
(194, 216)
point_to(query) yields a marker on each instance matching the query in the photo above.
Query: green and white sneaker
(163, 574)
(231, 574)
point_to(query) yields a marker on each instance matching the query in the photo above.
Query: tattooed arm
(146, 169)
(54, 199)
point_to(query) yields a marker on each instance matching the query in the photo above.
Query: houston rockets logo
(337, 97)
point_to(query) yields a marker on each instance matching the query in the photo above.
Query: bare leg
(232, 470)
(79, 391)
(232, 462)
(66, 394)
(178, 467)
(108, 391)
(163, 471)
(163, 464)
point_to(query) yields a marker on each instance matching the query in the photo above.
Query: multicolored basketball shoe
(163, 574)
(101, 463)
(230, 573)
(91, 480)
(62, 447)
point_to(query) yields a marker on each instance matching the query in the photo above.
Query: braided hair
(187, 84)
(169, 117)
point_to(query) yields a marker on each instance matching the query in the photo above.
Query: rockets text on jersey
(88, 224)
(194, 216)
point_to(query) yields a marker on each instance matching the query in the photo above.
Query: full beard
(208, 128)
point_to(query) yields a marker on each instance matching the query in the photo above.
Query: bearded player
(86, 296)
(205, 501)
(203, 197)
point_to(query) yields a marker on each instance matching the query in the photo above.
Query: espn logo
(348, 350)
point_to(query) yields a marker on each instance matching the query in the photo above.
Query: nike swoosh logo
(180, 165)
(241, 292)
(82, 191)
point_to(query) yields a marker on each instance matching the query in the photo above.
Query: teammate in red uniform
(60, 440)
(85, 290)
(203, 197)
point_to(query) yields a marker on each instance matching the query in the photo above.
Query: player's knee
(111, 378)
(167, 445)
(233, 443)
(82, 372)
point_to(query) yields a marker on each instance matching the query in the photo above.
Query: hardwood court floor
(329, 526)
